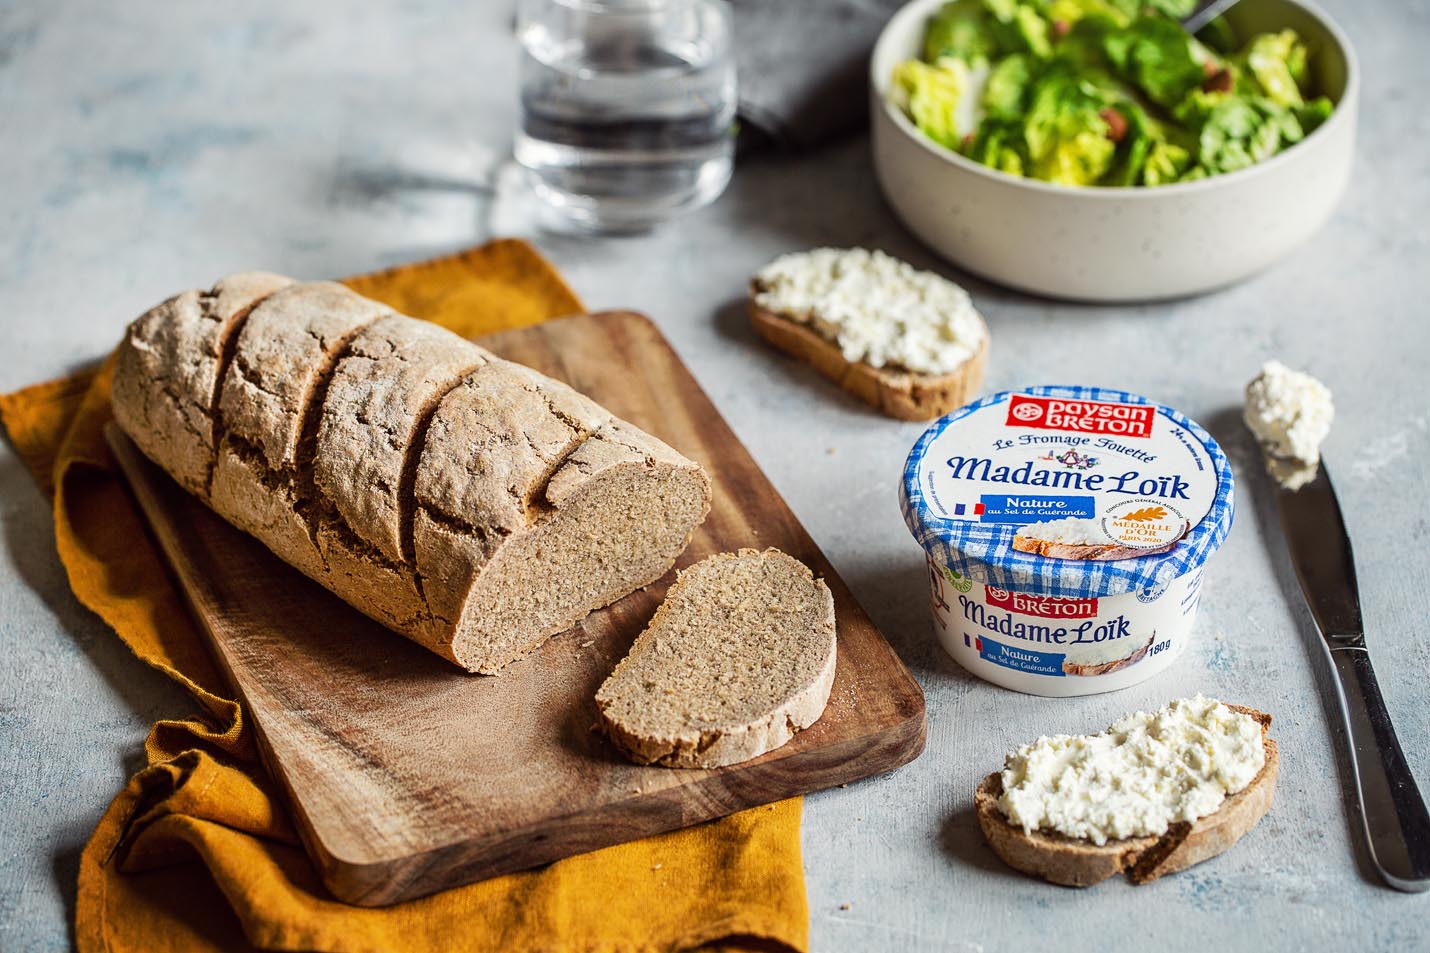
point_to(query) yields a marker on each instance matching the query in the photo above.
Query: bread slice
(739, 657)
(1080, 863)
(905, 395)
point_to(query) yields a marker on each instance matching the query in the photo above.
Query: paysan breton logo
(1048, 607)
(1081, 416)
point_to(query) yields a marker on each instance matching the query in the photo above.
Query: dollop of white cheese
(876, 308)
(1290, 413)
(1072, 530)
(1144, 773)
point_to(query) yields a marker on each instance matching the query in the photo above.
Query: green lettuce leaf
(929, 94)
(1313, 113)
(1166, 163)
(1234, 131)
(1083, 46)
(960, 30)
(1118, 12)
(1005, 94)
(1000, 145)
(1277, 62)
(1157, 56)
(1065, 133)
(1137, 143)
(1018, 27)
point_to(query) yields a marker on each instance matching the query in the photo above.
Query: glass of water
(627, 107)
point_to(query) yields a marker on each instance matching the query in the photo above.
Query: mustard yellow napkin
(197, 852)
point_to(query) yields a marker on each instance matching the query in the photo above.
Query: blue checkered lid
(1005, 490)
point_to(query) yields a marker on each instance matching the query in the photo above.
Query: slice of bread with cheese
(1094, 661)
(1079, 538)
(1079, 861)
(908, 343)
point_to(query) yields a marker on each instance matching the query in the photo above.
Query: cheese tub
(1067, 531)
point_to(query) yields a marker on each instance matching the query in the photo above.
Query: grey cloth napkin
(803, 65)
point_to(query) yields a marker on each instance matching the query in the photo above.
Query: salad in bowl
(1105, 92)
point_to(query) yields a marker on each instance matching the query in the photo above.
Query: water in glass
(628, 107)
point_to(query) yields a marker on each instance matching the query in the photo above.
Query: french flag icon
(968, 509)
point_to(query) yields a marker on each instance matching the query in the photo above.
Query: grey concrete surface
(147, 147)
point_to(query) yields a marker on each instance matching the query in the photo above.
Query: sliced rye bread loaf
(469, 503)
(905, 395)
(1074, 862)
(737, 659)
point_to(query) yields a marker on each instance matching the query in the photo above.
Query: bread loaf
(470, 503)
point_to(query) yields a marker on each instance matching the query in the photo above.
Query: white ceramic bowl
(1118, 244)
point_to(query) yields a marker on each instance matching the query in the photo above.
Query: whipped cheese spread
(1290, 413)
(877, 309)
(1146, 490)
(1144, 773)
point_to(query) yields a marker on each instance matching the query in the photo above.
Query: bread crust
(379, 403)
(905, 395)
(169, 367)
(1074, 862)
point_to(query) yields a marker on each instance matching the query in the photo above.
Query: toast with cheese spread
(1080, 538)
(904, 395)
(906, 342)
(1080, 862)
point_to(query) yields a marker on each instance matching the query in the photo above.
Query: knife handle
(1397, 825)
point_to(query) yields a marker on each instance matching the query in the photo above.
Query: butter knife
(1397, 827)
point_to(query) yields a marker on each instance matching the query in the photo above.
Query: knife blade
(1321, 554)
(1393, 814)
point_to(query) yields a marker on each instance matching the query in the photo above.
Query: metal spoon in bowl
(1204, 14)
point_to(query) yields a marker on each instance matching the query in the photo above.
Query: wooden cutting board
(407, 775)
